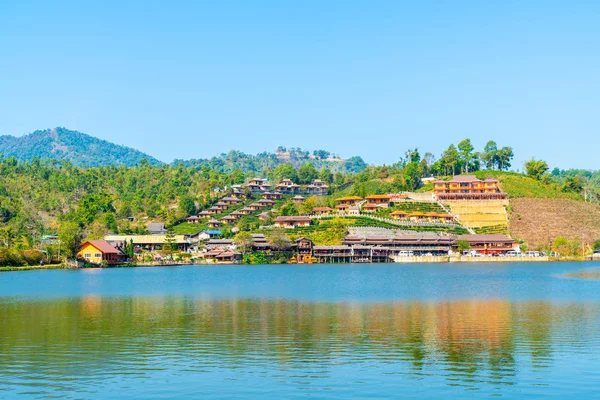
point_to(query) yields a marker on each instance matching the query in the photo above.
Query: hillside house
(369, 208)
(157, 228)
(490, 244)
(272, 196)
(192, 219)
(286, 186)
(213, 223)
(379, 200)
(231, 200)
(258, 186)
(204, 214)
(222, 205)
(349, 200)
(264, 216)
(318, 188)
(266, 203)
(215, 210)
(291, 222)
(228, 219)
(298, 199)
(468, 187)
(342, 208)
(322, 210)
(149, 242)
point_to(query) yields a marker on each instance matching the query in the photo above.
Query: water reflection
(79, 345)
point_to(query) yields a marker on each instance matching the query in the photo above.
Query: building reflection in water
(465, 341)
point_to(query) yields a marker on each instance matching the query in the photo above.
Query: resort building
(333, 254)
(286, 186)
(322, 210)
(213, 223)
(100, 252)
(266, 203)
(291, 222)
(215, 210)
(342, 208)
(222, 205)
(399, 214)
(156, 228)
(468, 187)
(370, 208)
(237, 214)
(272, 196)
(192, 219)
(264, 216)
(318, 188)
(255, 206)
(149, 242)
(298, 199)
(245, 211)
(237, 193)
(258, 185)
(349, 200)
(228, 219)
(204, 214)
(231, 200)
(490, 244)
(379, 200)
(304, 246)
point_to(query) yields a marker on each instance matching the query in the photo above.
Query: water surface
(329, 331)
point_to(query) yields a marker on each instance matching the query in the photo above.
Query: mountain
(248, 163)
(75, 147)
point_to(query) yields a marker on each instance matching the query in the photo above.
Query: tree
(285, 171)
(244, 242)
(412, 175)
(70, 235)
(307, 173)
(596, 245)
(278, 239)
(187, 206)
(465, 149)
(288, 209)
(450, 159)
(463, 245)
(355, 164)
(169, 245)
(561, 246)
(536, 168)
(326, 176)
(490, 155)
(504, 158)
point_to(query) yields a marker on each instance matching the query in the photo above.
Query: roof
(144, 239)
(292, 218)
(465, 179)
(228, 218)
(229, 199)
(156, 226)
(214, 221)
(322, 209)
(204, 213)
(349, 198)
(342, 247)
(103, 246)
(486, 238)
(369, 206)
(212, 231)
(193, 217)
(297, 198)
(378, 196)
(399, 212)
(342, 206)
(220, 203)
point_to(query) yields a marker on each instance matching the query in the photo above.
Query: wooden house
(266, 203)
(246, 211)
(287, 186)
(291, 222)
(349, 200)
(322, 210)
(237, 214)
(258, 185)
(204, 214)
(228, 219)
(100, 252)
(213, 223)
(342, 207)
(255, 206)
(215, 210)
(468, 187)
(231, 200)
(379, 200)
(222, 205)
(318, 188)
(298, 199)
(192, 219)
(272, 195)
(399, 214)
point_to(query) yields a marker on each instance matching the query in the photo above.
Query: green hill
(75, 147)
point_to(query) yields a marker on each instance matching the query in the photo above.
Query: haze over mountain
(75, 147)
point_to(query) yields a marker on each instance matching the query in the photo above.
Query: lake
(320, 331)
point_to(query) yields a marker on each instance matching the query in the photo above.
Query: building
(204, 214)
(286, 186)
(237, 193)
(322, 210)
(215, 210)
(379, 200)
(255, 206)
(468, 187)
(192, 219)
(220, 243)
(101, 252)
(228, 219)
(231, 200)
(298, 199)
(335, 254)
(149, 242)
(157, 228)
(264, 216)
(291, 222)
(245, 211)
(258, 185)
(213, 223)
(318, 188)
(222, 205)
(237, 214)
(304, 246)
(349, 200)
(266, 203)
(490, 244)
(370, 208)
(272, 196)
(342, 207)
(399, 214)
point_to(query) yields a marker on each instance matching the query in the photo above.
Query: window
(97, 255)
(87, 255)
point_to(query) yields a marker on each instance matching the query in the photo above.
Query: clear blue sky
(180, 79)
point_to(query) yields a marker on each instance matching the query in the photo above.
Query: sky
(193, 79)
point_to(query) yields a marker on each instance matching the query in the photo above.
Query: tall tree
(536, 168)
(465, 148)
(490, 155)
(504, 158)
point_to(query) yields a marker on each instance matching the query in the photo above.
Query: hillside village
(460, 219)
